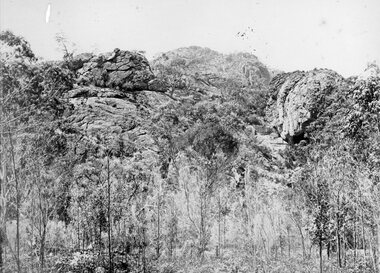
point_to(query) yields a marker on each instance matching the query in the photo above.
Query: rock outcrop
(112, 99)
(207, 71)
(121, 70)
(299, 98)
(105, 117)
(372, 71)
(113, 102)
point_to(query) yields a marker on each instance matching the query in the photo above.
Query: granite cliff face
(299, 98)
(114, 93)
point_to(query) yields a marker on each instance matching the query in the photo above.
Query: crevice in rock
(298, 139)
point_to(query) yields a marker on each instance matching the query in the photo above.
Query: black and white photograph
(189, 136)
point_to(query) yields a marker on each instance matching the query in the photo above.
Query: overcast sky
(343, 35)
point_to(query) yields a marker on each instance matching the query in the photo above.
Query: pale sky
(343, 35)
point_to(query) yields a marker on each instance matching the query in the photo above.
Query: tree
(29, 103)
(15, 56)
(364, 127)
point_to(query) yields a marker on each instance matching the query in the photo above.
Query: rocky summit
(120, 70)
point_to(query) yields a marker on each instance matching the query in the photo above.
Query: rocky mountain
(115, 93)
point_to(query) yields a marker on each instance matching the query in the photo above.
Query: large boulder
(299, 98)
(121, 70)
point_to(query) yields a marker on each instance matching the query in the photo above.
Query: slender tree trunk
(378, 240)
(289, 244)
(1, 241)
(355, 238)
(171, 247)
(363, 235)
(202, 229)
(42, 227)
(144, 244)
(376, 245)
(83, 237)
(78, 229)
(263, 241)
(158, 226)
(339, 248)
(2, 179)
(310, 249)
(302, 239)
(219, 228)
(320, 254)
(320, 228)
(355, 228)
(344, 248)
(17, 203)
(224, 231)
(109, 216)
(174, 238)
(372, 250)
(338, 239)
(32, 253)
(328, 249)
(171, 232)
(276, 252)
(100, 243)
(282, 244)
(42, 248)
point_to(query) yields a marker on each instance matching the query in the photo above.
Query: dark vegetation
(192, 189)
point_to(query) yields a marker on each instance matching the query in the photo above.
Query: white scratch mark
(47, 18)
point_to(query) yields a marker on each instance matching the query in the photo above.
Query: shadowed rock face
(299, 98)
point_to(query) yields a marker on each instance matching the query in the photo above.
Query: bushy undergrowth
(242, 263)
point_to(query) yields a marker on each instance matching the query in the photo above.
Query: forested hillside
(195, 161)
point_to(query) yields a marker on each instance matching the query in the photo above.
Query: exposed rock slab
(121, 70)
(112, 118)
(298, 98)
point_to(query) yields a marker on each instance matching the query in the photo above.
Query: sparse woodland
(189, 163)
